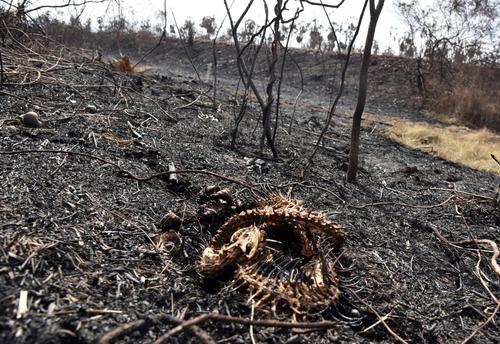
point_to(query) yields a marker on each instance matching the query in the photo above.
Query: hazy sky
(141, 10)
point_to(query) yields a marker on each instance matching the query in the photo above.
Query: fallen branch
(132, 175)
(189, 104)
(403, 204)
(319, 325)
(495, 158)
(464, 192)
(495, 311)
(456, 244)
(140, 325)
(301, 184)
(380, 319)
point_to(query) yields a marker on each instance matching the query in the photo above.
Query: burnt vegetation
(128, 150)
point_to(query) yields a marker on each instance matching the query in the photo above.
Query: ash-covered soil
(392, 89)
(81, 236)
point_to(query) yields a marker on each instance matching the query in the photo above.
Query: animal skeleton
(297, 271)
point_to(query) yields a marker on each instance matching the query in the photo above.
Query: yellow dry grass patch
(469, 147)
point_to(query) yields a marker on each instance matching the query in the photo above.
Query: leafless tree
(461, 31)
(246, 73)
(375, 11)
(21, 15)
(24, 7)
(340, 91)
(163, 35)
(446, 29)
(248, 30)
(182, 39)
(289, 30)
(214, 55)
(315, 36)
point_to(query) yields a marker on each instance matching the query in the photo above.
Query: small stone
(31, 120)
(90, 108)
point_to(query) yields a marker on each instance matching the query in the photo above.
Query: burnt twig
(162, 37)
(185, 49)
(339, 93)
(319, 325)
(380, 319)
(214, 55)
(142, 324)
(495, 158)
(403, 204)
(457, 244)
(1, 71)
(495, 311)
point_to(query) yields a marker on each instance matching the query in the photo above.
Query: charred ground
(79, 233)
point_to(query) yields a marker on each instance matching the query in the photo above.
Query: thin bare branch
(337, 5)
(320, 325)
(185, 49)
(339, 93)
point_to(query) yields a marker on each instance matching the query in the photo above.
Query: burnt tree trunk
(363, 84)
(267, 110)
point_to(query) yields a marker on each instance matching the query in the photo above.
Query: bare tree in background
(248, 30)
(301, 32)
(24, 7)
(467, 34)
(375, 11)
(457, 48)
(18, 14)
(315, 36)
(183, 40)
(340, 91)
(246, 72)
(214, 56)
(448, 29)
(208, 23)
(188, 30)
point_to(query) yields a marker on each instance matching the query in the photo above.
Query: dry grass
(469, 147)
(471, 97)
(472, 106)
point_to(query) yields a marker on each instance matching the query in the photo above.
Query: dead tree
(266, 112)
(162, 37)
(246, 75)
(282, 72)
(266, 101)
(183, 42)
(1, 71)
(363, 85)
(214, 55)
(340, 91)
(23, 8)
